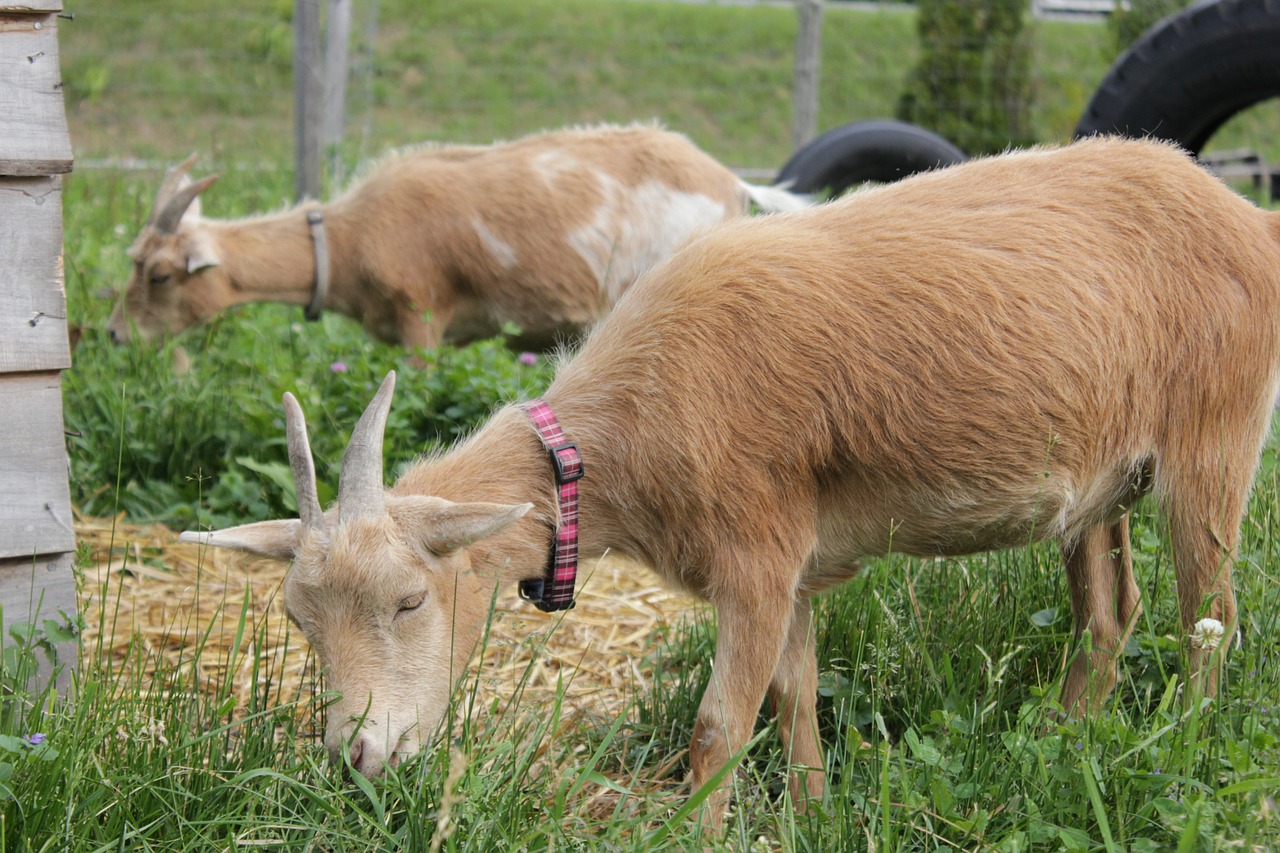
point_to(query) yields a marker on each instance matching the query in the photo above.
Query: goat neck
(502, 463)
(271, 258)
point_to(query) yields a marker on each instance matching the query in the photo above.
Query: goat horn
(169, 185)
(166, 221)
(360, 489)
(300, 460)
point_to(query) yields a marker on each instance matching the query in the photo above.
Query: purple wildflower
(339, 367)
(528, 358)
(36, 739)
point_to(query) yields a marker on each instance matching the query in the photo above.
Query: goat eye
(410, 603)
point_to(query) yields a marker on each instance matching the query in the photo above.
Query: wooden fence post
(337, 40)
(804, 93)
(37, 540)
(319, 91)
(307, 94)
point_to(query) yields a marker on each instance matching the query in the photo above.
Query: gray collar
(315, 218)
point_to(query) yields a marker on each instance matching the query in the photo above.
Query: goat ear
(445, 527)
(279, 538)
(202, 254)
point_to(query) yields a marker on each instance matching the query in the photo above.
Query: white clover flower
(1207, 634)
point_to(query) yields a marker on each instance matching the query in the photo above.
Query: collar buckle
(570, 469)
(535, 592)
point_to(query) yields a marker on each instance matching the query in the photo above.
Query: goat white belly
(956, 521)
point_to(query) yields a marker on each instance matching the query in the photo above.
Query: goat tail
(777, 198)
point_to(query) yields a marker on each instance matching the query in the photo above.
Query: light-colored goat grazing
(447, 243)
(1010, 350)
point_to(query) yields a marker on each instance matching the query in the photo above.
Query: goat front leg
(752, 634)
(793, 693)
(1105, 602)
(424, 328)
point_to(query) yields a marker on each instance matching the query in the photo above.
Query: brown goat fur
(1010, 350)
(449, 243)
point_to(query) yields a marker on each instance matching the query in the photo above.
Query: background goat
(447, 243)
(1006, 351)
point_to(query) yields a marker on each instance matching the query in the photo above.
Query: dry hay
(176, 599)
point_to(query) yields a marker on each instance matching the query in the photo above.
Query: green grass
(217, 80)
(945, 668)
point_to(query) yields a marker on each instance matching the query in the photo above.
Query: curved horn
(300, 460)
(360, 489)
(166, 221)
(169, 185)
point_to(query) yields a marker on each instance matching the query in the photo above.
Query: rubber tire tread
(1190, 73)
(883, 150)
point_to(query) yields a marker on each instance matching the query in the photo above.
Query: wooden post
(337, 40)
(363, 75)
(37, 541)
(804, 94)
(307, 94)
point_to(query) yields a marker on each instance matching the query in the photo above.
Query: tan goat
(446, 243)
(1006, 351)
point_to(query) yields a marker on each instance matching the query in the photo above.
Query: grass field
(217, 79)
(937, 677)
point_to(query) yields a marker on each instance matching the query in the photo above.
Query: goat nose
(356, 750)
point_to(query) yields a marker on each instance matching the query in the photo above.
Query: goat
(1009, 350)
(446, 243)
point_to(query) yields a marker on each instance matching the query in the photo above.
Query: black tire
(1189, 73)
(882, 150)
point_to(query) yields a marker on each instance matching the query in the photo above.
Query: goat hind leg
(793, 695)
(1104, 601)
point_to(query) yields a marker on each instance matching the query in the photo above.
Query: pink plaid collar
(554, 591)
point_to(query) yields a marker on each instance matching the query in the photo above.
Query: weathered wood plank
(308, 89)
(33, 123)
(33, 303)
(36, 588)
(30, 6)
(35, 500)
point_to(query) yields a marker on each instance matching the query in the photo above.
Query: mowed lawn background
(938, 677)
